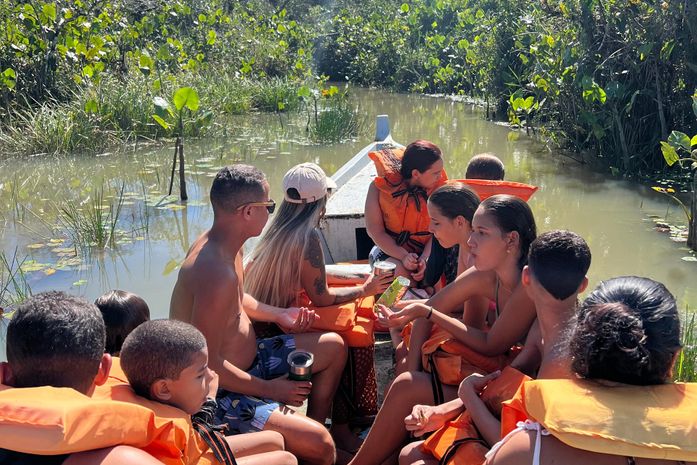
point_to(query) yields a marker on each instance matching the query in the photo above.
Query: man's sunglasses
(270, 205)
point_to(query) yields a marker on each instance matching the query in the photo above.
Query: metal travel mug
(300, 362)
(383, 267)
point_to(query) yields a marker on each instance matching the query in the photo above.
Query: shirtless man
(209, 294)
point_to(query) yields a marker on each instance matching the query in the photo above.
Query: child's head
(485, 166)
(122, 312)
(422, 164)
(167, 361)
(56, 339)
(451, 208)
(502, 226)
(628, 331)
(558, 261)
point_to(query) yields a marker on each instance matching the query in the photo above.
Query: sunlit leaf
(669, 154)
(404, 8)
(679, 139)
(170, 266)
(161, 122)
(49, 271)
(36, 246)
(186, 97)
(80, 282)
(91, 106)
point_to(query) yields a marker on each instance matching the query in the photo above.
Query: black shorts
(10, 457)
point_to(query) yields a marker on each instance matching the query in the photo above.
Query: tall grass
(338, 120)
(686, 366)
(120, 109)
(13, 283)
(94, 223)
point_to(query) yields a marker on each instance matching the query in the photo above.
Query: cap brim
(330, 183)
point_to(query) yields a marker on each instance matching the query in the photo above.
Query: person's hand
(399, 318)
(420, 271)
(423, 419)
(297, 319)
(474, 384)
(410, 261)
(377, 284)
(289, 392)
(213, 385)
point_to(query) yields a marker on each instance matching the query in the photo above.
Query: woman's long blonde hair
(273, 274)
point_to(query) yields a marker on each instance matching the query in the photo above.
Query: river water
(616, 217)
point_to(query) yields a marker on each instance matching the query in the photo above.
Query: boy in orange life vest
(167, 361)
(55, 339)
(556, 273)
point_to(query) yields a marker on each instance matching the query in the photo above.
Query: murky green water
(612, 215)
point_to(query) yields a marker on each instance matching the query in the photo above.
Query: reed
(337, 121)
(94, 224)
(14, 287)
(686, 366)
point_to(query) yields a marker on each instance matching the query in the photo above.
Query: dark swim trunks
(243, 413)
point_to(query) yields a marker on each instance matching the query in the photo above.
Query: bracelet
(430, 312)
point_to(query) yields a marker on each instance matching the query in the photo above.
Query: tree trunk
(692, 228)
(182, 177)
(174, 166)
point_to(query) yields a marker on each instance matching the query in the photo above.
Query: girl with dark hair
(623, 346)
(395, 208)
(503, 228)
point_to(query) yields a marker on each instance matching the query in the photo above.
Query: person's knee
(321, 441)
(406, 454)
(274, 440)
(286, 458)
(335, 344)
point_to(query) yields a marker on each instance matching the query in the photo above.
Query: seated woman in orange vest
(443, 260)
(451, 208)
(395, 207)
(503, 228)
(287, 267)
(622, 408)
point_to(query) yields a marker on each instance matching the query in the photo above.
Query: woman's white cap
(310, 182)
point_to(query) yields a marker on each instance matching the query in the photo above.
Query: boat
(345, 238)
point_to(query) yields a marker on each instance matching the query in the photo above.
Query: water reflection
(610, 214)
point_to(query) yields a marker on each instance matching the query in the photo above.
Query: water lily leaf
(172, 206)
(36, 246)
(49, 271)
(56, 241)
(170, 266)
(679, 139)
(30, 265)
(63, 250)
(80, 282)
(669, 154)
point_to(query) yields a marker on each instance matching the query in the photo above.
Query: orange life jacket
(458, 442)
(453, 361)
(354, 320)
(53, 421)
(403, 208)
(655, 422)
(486, 188)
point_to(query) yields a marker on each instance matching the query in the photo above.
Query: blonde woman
(287, 266)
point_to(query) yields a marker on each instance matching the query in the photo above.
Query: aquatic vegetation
(92, 223)
(686, 366)
(338, 120)
(13, 283)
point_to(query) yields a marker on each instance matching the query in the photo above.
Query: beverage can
(395, 292)
(384, 267)
(300, 365)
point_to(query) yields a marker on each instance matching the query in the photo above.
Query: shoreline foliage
(604, 77)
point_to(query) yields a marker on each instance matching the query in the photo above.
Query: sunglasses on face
(270, 205)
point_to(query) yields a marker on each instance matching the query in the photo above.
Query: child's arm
(487, 424)
(426, 418)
